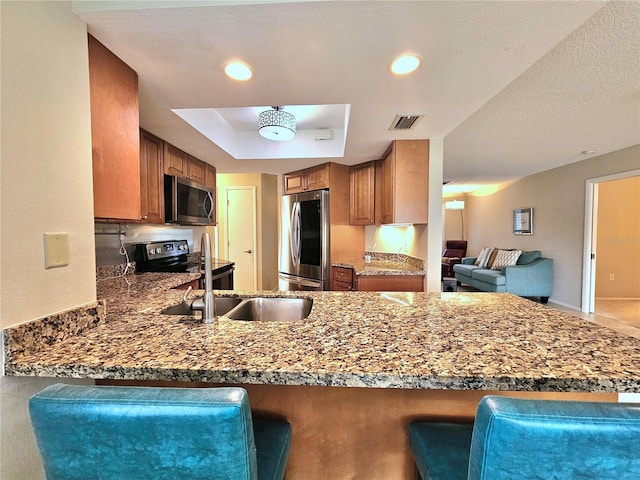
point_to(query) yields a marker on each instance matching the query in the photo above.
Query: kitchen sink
(265, 309)
(222, 304)
(272, 309)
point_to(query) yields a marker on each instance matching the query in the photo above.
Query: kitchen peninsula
(353, 374)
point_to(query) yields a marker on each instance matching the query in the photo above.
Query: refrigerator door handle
(294, 234)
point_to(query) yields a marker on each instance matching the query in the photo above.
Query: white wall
(46, 160)
(46, 186)
(557, 197)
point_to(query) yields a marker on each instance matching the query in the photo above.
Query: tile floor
(620, 315)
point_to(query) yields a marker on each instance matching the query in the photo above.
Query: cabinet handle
(144, 217)
(248, 251)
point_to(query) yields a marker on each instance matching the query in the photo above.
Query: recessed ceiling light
(238, 71)
(405, 64)
(588, 152)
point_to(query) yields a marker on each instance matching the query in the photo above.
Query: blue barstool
(140, 433)
(515, 439)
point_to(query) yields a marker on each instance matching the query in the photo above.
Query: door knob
(248, 251)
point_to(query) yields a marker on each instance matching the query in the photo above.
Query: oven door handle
(223, 274)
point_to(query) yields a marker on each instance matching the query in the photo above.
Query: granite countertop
(380, 267)
(466, 341)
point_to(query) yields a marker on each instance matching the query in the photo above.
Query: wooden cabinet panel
(362, 194)
(151, 178)
(313, 178)
(390, 283)
(404, 182)
(175, 161)
(115, 141)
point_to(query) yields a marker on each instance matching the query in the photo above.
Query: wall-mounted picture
(523, 221)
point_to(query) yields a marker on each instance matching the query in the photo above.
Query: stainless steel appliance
(173, 256)
(186, 202)
(304, 244)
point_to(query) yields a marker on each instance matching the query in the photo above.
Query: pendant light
(277, 124)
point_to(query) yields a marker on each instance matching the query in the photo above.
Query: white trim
(590, 230)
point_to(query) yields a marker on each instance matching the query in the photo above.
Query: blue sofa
(532, 276)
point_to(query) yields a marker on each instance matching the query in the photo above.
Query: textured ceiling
(513, 87)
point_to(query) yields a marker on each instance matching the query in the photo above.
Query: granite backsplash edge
(31, 337)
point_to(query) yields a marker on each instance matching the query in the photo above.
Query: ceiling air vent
(406, 122)
(322, 134)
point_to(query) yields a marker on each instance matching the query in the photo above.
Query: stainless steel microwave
(186, 202)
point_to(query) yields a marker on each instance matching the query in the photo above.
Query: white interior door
(241, 236)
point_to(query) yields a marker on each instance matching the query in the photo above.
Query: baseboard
(565, 305)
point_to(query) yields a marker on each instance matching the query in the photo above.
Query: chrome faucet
(206, 304)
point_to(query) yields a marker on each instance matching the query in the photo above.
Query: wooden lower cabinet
(342, 279)
(390, 283)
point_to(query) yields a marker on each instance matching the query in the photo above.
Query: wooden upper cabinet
(115, 141)
(175, 161)
(313, 178)
(151, 178)
(210, 176)
(181, 164)
(294, 182)
(362, 179)
(195, 170)
(403, 177)
(318, 177)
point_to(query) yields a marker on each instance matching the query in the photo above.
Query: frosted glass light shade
(276, 125)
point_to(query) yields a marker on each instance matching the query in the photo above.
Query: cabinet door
(294, 182)
(151, 178)
(195, 170)
(115, 141)
(362, 195)
(317, 177)
(387, 186)
(175, 161)
(342, 278)
(411, 177)
(210, 176)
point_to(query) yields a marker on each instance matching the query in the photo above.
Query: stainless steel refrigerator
(304, 241)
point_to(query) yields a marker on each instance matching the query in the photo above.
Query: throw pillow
(492, 258)
(483, 257)
(505, 258)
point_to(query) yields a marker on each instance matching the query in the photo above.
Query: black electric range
(173, 256)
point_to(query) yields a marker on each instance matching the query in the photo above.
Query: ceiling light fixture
(405, 64)
(238, 71)
(277, 124)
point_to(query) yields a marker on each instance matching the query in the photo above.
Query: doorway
(240, 221)
(599, 269)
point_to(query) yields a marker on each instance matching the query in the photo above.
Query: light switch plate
(56, 249)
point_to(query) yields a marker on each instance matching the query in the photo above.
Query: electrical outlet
(612, 276)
